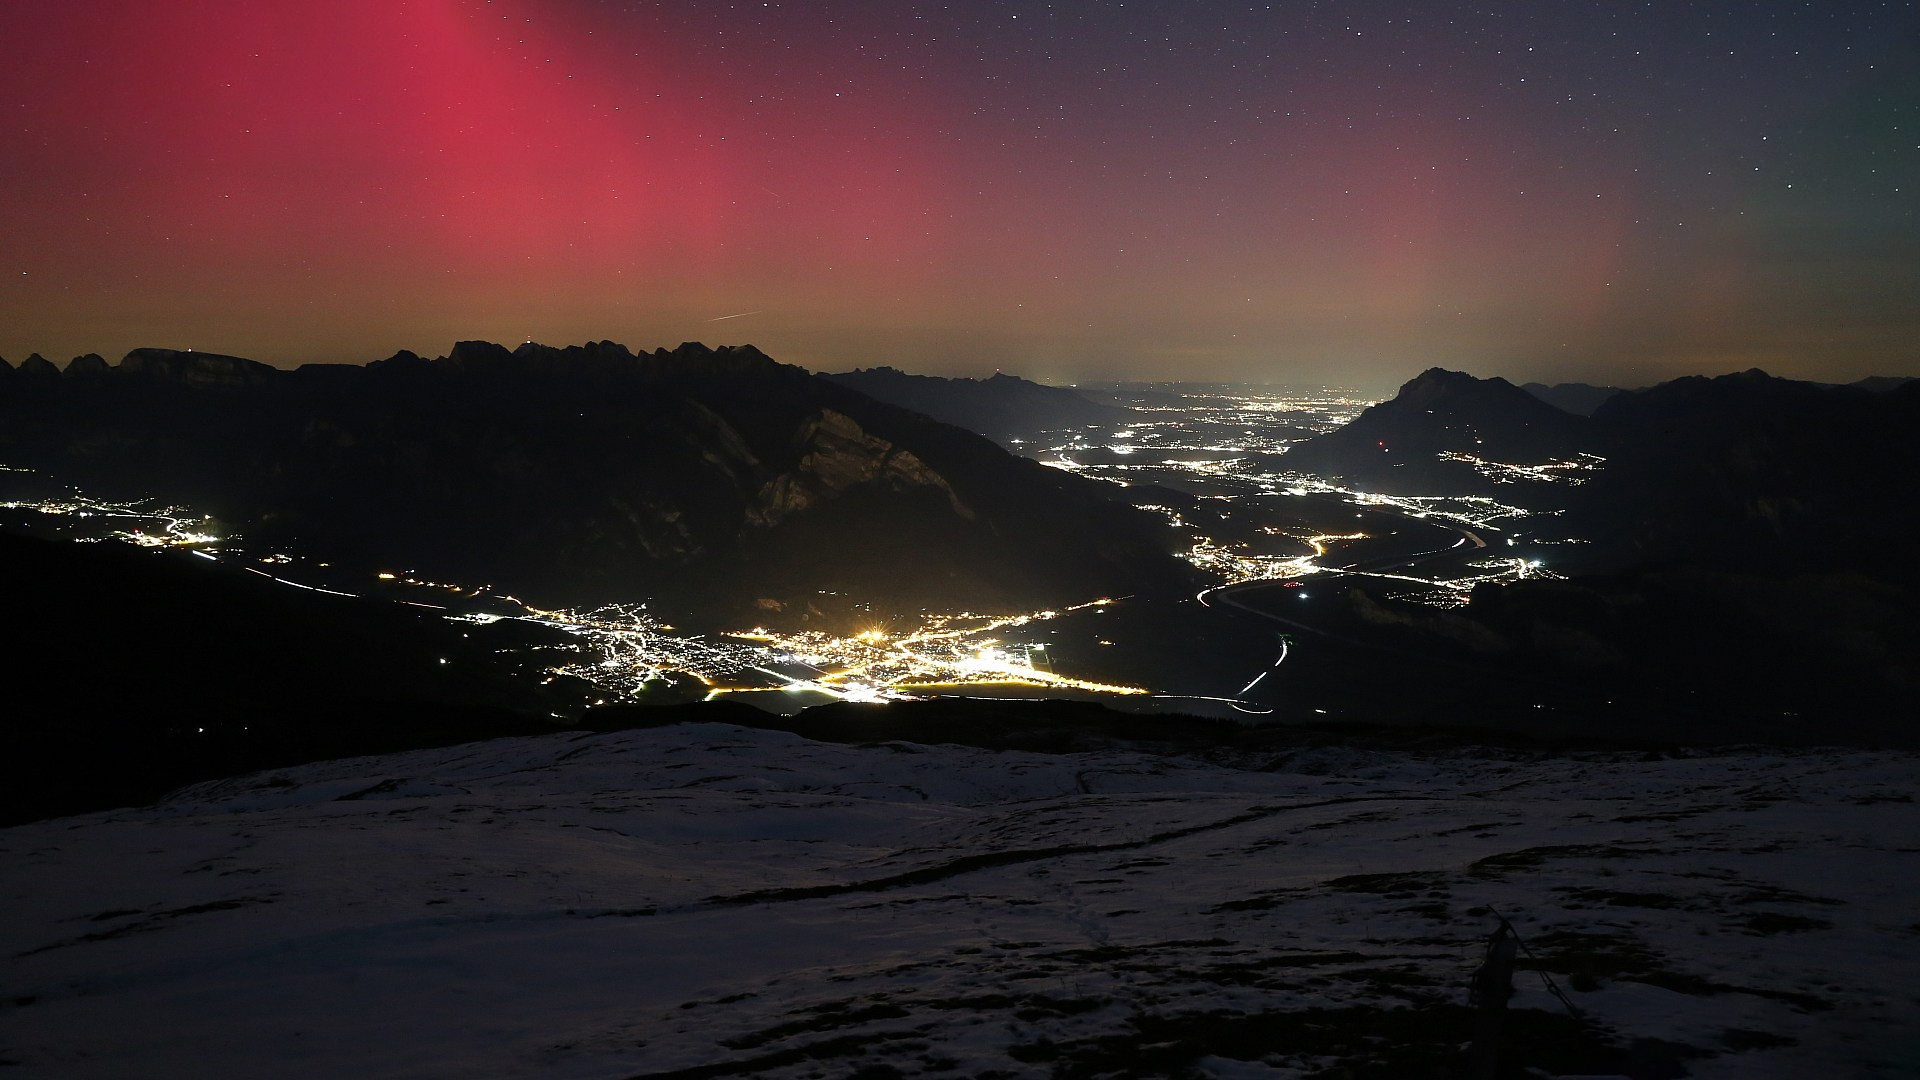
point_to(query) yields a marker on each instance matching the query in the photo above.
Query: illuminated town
(943, 654)
(146, 522)
(622, 648)
(1228, 443)
(1225, 444)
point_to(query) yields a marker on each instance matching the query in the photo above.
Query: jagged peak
(697, 358)
(1447, 377)
(590, 356)
(894, 374)
(1739, 395)
(186, 367)
(999, 380)
(88, 366)
(476, 353)
(1437, 386)
(466, 357)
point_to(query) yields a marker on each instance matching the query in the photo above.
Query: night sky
(1351, 192)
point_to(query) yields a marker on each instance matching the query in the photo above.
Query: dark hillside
(1398, 445)
(136, 671)
(999, 406)
(717, 480)
(1757, 473)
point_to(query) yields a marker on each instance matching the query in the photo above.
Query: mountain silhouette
(1000, 406)
(717, 479)
(1397, 445)
(1581, 399)
(1747, 469)
(1738, 471)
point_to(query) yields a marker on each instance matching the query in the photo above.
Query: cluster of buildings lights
(630, 648)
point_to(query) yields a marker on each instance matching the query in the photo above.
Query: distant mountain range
(1417, 441)
(1585, 398)
(1747, 470)
(714, 478)
(1744, 550)
(1581, 399)
(1738, 471)
(1730, 518)
(1000, 406)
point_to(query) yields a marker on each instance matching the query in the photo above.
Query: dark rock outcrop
(37, 368)
(198, 369)
(89, 366)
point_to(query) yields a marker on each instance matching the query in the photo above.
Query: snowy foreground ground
(711, 901)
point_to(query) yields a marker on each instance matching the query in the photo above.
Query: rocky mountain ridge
(1413, 442)
(999, 406)
(1577, 398)
(1739, 470)
(715, 477)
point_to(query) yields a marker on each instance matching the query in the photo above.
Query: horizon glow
(1078, 190)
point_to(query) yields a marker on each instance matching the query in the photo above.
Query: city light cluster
(159, 525)
(1571, 472)
(1235, 565)
(630, 648)
(1185, 438)
(1472, 511)
(1183, 444)
(622, 648)
(1217, 442)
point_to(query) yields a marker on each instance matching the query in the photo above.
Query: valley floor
(713, 901)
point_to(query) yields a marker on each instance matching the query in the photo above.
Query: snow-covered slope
(705, 901)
